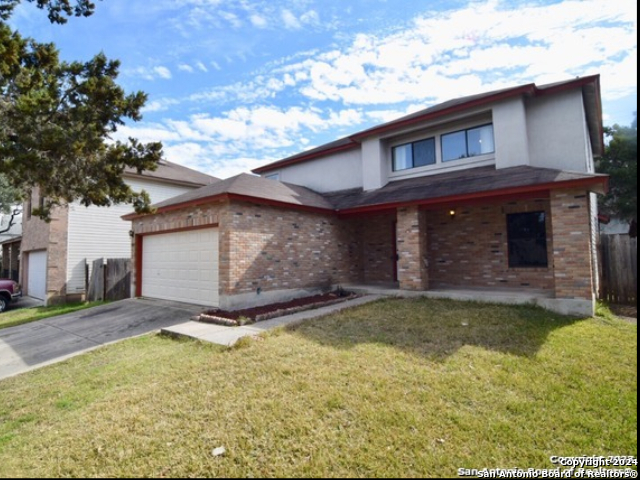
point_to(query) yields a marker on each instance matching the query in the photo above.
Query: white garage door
(181, 266)
(37, 275)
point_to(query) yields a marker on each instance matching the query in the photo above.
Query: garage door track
(32, 345)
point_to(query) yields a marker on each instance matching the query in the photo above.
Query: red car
(9, 292)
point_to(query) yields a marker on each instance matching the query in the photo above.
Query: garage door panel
(37, 275)
(181, 266)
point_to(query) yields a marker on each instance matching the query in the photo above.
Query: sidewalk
(228, 336)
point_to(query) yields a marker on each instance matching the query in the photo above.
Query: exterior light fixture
(452, 213)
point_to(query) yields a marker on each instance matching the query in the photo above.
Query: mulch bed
(265, 312)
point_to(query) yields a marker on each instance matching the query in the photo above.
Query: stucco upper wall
(557, 133)
(339, 171)
(510, 133)
(547, 130)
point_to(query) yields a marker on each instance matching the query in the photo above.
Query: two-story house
(55, 254)
(492, 192)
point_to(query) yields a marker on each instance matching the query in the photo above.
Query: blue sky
(235, 84)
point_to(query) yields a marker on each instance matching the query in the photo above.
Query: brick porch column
(572, 259)
(412, 249)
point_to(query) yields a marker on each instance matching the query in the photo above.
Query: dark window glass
(527, 239)
(416, 154)
(424, 152)
(454, 146)
(467, 143)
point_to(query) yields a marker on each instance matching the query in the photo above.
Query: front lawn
(396, 388)
(13, 317)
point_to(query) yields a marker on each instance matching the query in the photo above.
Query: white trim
(471, 162)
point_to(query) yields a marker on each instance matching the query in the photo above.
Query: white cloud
(379, 76)
(258, 21)
(310, 18)
(160, 105)
(444, 55)
(201, 66)
(290, 21)
(162, 72)
(256, 134)
(185, 68)
(150, 73)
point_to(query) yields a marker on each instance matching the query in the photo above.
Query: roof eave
(221, 197)
(600, 184)
(172, 181)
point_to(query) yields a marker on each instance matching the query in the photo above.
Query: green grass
(11, 318)
(397, 388)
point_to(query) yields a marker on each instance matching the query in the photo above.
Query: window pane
(454, 146)
(424, 152)
(402, 158)
(527, 239)
(480, 140)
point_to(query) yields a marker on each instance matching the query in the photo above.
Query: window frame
(413, 160)
(538, 237)
(466, 142)
(437, 132)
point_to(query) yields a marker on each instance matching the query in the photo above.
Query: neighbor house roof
(460, 186)
(590, 88)
(469, 184)
(174, 173)
(249, 188)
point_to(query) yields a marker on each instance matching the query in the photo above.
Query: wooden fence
(110, 280)
(619, 269)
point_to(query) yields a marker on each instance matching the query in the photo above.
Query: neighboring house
(10, 241)
(54, 254)
(494, 192)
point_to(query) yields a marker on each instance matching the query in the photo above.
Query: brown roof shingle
(175, 173)
(472, 182)
(260, 188)
(461, 185)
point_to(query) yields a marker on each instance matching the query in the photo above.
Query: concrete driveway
(35, 344)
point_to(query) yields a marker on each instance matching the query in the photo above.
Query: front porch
(469, 251)
(542, 298)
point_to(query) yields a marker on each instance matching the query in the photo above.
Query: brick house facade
(508, 218)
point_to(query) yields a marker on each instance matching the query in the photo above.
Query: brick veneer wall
(52, 236)
(412, 247)
(572, 256)
(375, 236)
(470, 249)
(266, 247)
(274, 248)
(57, 256)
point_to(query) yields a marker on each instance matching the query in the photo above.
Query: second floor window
(415, 154)
(467, 143)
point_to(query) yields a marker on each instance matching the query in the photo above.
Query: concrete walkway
(228, 336)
